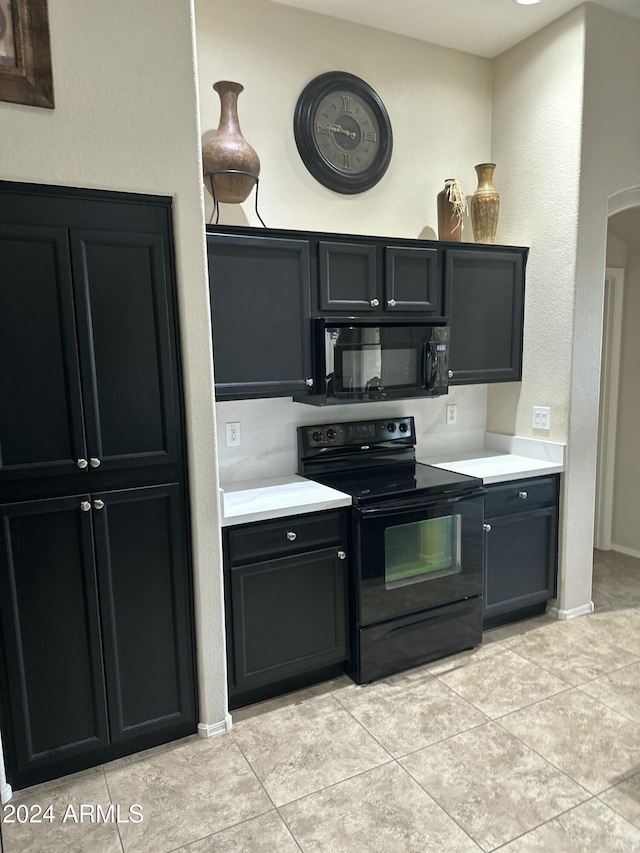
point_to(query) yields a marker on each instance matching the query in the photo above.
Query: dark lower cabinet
(96, 627)
(286, 590)
(521, 541)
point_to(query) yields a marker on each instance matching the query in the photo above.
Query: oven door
(412, 558)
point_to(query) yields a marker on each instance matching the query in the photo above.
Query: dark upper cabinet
(521, 541)
(376, 278)
(86, 326)
(484, 290)
(85, 673)
(259, 290)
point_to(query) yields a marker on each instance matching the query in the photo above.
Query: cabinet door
(41, 419)
(348, 279)
(288, 616)
(259, 290)
(412, 282)
(126, 347)
(520, 560)
(485, 293)
(146, 611)
(54, 699)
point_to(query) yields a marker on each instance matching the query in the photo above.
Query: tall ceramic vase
(485, 205)
(227, 158)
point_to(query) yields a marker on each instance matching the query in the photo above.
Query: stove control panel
(354, 433)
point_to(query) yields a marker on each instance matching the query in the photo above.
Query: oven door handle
(399, 509)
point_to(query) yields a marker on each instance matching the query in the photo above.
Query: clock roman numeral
(346, 103)
(346, 162)
(321, 128)
(370, 136)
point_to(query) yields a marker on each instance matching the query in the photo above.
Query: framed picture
(25, 53)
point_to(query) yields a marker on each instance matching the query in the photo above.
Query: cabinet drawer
(521, 495)
(289, 535)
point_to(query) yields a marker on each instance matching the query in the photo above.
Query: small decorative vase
(227, 158)
(485, 205)
(451, 208)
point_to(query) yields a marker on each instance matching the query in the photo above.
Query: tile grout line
(106, 782)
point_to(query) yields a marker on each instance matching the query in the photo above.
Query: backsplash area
(268, 428)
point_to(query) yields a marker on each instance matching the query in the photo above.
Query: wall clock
(343, 132)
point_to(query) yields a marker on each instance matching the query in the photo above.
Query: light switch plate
(541, 417)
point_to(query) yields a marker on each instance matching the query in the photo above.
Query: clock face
(343, 132)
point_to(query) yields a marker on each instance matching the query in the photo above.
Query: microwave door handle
(429, 364)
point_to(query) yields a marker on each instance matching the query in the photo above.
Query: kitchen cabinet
(95, 580)
(286, 604)
(521, 548)
(259, 290)
(85, 325)
(376, 278)
(485, 303)
(86, 671)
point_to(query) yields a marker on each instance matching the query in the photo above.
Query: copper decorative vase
(228, 161)
(449, 213)
(485, 205)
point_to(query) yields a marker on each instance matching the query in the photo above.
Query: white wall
(126, 119)
(439, 103)
(625, 532)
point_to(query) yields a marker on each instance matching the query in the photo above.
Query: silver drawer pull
(342, 555)
(375, 303)
(391, 303)
(81, 463)
(523, 495)
(94, 462)
(291, 536)
(451, 374)
(486, 528)
(98, 504)
(85, 506)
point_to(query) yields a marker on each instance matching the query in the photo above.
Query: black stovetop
(406, 481)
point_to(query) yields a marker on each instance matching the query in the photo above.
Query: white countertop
(276, 497)
(503, 458)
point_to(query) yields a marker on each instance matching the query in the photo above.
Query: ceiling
(483, 27)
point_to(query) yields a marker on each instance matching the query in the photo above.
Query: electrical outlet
(541, 417)
(234, 439)
(452, 413)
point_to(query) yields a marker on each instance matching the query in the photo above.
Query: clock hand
(337, 129)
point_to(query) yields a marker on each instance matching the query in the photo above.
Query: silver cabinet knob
(98, 504)
(486, 528)
(94, 462)
(309, 382)
(85, 506)
(81, 463)
(523, 495)
(451, 374)
(375, 303)
(391, 303)
(342, 555)
(291, 536)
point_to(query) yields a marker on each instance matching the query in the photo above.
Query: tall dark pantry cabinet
(96, 627)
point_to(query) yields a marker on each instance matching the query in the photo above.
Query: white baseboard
(5, 793)
(214, 729)
(561, 615)
(622, 549)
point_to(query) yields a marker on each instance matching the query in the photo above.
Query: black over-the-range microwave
(359, 361)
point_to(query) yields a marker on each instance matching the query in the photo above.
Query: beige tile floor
(529, 743)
